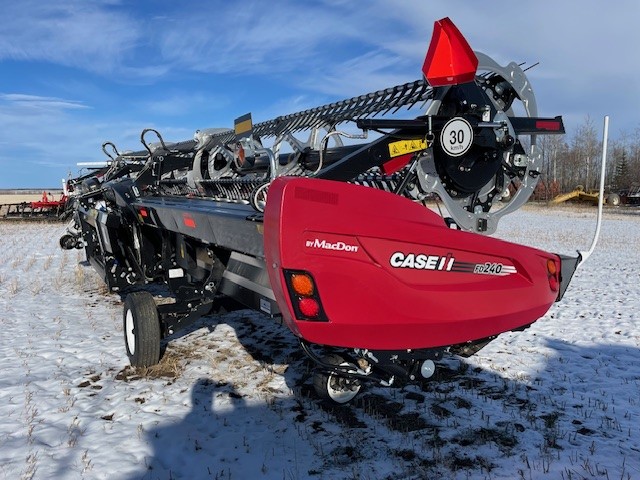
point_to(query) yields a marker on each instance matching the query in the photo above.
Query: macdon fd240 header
(333, 237)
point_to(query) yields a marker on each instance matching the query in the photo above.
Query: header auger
(318, 218)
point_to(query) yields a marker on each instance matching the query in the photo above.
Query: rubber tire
(324, 383)
(67, 242)
(613, 199)
(141, 324)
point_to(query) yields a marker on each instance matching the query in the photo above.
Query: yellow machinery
(579, 193)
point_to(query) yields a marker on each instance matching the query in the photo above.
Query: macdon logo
(337, 246)
(421, 261)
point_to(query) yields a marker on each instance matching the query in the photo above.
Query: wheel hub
(130, 333)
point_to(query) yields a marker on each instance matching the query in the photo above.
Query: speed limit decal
(456, 137)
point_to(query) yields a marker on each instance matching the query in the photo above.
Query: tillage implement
(323, 219)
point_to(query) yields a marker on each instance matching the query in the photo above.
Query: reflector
(188, 220)
(450, 60)
(551, 125)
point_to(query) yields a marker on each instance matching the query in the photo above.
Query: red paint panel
(396, 164)
(391, 274)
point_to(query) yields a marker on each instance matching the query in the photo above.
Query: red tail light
(304, 296)
(553, 273)
(309, 307)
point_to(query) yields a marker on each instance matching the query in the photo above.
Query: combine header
(304, 220)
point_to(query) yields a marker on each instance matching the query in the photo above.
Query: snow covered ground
(233, 398)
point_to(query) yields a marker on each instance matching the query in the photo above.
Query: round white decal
(456, 137)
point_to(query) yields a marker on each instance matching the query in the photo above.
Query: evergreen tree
(622, 179)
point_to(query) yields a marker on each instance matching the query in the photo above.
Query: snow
(233, 399)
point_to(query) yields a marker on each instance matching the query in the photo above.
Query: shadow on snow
(470, 419)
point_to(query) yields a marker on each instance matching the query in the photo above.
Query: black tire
(613, 199)
(67, 242)
(335, 388)
(141, 324)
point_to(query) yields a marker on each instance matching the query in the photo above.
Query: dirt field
(19, 198)
(30, 196)
(16, 197)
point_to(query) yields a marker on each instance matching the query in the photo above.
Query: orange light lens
(302, 284)
(552, 268)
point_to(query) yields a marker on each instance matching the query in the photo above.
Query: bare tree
(554, 151)
(586, 147)
(568, 162)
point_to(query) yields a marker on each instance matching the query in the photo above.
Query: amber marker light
(302, 284)
(552, 268)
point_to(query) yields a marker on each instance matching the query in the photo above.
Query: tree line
(570, 162)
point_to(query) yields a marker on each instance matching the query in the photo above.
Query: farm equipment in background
(630, 196)
(46, 208)
(592, 196)
(330, 232)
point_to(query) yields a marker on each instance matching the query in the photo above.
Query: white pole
(605, 137)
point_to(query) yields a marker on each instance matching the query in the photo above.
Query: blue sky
(76, 73)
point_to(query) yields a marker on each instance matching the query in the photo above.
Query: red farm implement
(47, 207)
(307, 219)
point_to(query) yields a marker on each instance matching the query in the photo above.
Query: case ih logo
(447, 263)
(421, 261)
(337, 246)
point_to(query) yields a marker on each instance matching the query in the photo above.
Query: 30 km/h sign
(456, 137)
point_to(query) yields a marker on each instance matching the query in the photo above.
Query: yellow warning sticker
(406, 146)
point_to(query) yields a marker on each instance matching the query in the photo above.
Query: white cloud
(305, 38)
(182, 103)
(371, 71)
(36, 102)
(73, 33)
(259, 37)
(304, 53)
(43, 140)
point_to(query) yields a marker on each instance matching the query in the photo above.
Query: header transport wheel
(334, 387)
(613, 199)
(141, 329)
(69, 242)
